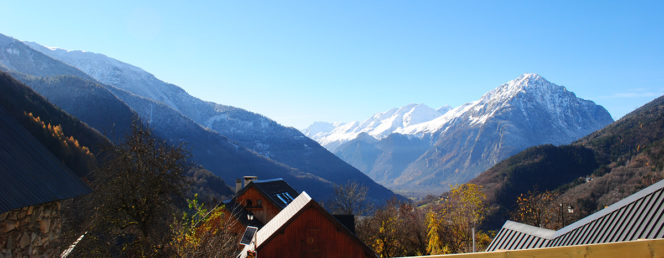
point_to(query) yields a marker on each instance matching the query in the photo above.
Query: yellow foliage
(56, 131)
(193, 229)
(434, 244)
(450, 224)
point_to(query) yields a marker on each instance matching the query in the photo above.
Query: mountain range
(228, 141)
(379, 126)
(451, 147)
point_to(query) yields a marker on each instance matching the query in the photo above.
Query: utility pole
(473, 236)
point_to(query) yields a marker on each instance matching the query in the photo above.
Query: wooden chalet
(305, 229)
(258, 202)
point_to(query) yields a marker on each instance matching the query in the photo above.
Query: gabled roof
(282, 219)
(290, 213)
(29, 173)
(276, 190)
(639, 216)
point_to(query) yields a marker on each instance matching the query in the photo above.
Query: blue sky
(303, 61)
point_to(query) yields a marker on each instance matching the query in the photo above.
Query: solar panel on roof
(248, 235)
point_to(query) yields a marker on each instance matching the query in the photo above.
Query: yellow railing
(638, 248)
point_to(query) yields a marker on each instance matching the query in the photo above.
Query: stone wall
(31, 231)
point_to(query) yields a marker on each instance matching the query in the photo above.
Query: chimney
(238, 185)
(248, 179)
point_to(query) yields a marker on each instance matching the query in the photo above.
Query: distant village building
(290, 224)
(32, 186)
(639, 216)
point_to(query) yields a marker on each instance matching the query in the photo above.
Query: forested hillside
(74, 142)
(87, 101)
(66, 137)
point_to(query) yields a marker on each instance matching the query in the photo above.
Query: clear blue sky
(303, 61)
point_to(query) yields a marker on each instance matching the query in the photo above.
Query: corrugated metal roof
(29, 173)
(516, 235)
(639, 216)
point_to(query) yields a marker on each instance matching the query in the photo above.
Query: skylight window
(285, 197)
(289, 196)
(281, 198)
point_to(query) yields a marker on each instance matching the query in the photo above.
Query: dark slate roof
(277, 190)
(29, 173)
(639, 216)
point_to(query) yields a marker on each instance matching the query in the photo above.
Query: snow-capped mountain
(524, 112)
(251, 130)
(113, 72)
(464, 141)
(229, 141)
(556, 100)
(378, 126)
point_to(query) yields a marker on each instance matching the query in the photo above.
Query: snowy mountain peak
(529, 80)
(529, 77)
(379, 126)
(524, 83)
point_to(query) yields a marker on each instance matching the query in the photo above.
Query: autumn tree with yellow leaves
(76, 156)
(203, 233)
(397, 229)
(452, 221)
(535, 208)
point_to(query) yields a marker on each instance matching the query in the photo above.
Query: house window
(248, 203)
(259, 203)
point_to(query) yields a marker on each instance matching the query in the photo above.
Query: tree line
(402, 228)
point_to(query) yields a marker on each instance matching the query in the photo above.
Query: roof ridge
(529, 229)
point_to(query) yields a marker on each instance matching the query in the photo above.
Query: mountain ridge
(279, 145)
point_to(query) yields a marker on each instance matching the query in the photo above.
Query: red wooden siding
(312, 234)
(263, 212)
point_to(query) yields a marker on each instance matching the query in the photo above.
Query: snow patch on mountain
(379, 126)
